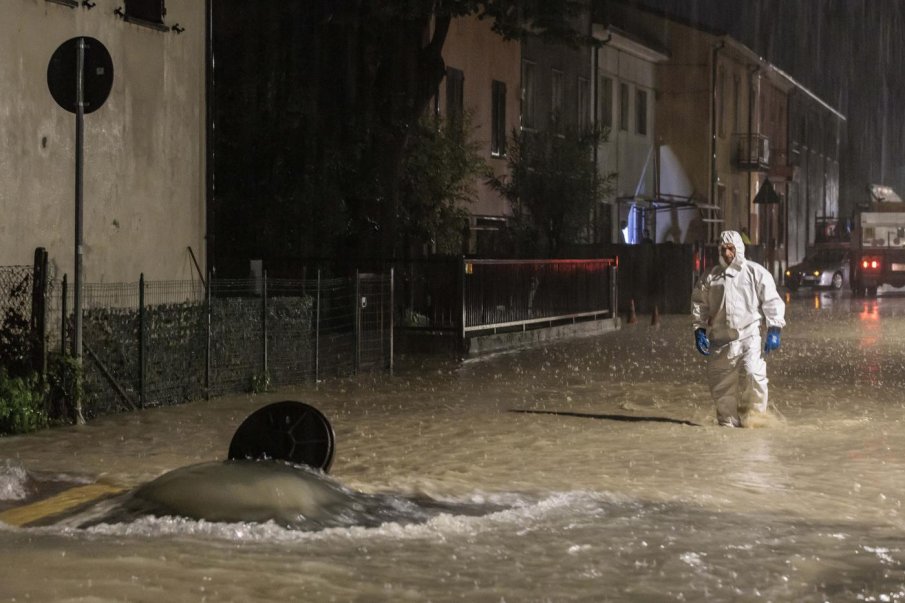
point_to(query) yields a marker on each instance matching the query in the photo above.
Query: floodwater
(574, 503)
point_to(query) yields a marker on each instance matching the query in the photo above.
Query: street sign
(97, 74)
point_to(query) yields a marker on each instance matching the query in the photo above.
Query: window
(498, 119)
(556, 98)
(584, 105)
(623, 106)
(721, 102)
(605, 101)
(149, 11)
(737, 102)
(529, 119)
(641, 112)
(455, 95)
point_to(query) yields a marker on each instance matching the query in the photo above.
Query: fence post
(462, 301)
(357, 322)
(207, 356)
(317, 329)
(63, 310)
(392, 313)
(614, 293)
(142, 342)
(264, 326)
(38, 308)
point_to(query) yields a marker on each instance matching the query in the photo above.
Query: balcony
(752, 152)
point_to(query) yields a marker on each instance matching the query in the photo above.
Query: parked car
(821, 268)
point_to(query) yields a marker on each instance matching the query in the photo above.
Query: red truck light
(870, 264)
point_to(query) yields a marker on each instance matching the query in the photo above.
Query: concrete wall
(144, 172)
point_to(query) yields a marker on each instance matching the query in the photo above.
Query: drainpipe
(713, 117)
(752, 105)
(209, 114)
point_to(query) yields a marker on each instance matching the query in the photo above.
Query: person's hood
(734, 238)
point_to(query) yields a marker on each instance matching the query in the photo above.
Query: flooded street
(617, 486)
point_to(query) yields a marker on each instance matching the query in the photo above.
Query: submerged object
(243, 490)
(278, 458)
(276, 472)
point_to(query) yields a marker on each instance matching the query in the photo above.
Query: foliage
(21, 404)
(439, 171)
(260, 383)
(553, 186)
(318, 113)
(15, 330)
(65, 387)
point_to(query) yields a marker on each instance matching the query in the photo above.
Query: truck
(878, 242)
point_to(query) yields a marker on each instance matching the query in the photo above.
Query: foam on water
(13, 480)
(521, 510)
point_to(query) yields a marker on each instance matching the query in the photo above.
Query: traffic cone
(632, 319)
(655, 317)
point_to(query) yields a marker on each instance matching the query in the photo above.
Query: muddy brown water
(617, 485)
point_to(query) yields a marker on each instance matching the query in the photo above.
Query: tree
(301, 84)
(404, 69)
(553, 186)
(438, 175)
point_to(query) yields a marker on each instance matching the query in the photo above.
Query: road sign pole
(79, 162)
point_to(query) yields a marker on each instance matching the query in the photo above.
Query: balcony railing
(752, 152)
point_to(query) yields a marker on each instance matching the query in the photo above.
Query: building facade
(625, 92)
(483, 74)
(144, 148)
(734, 123)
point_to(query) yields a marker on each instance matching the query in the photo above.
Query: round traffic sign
(97, 74)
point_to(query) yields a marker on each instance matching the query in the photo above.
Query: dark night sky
(848, 52)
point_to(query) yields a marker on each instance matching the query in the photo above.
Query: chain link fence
(166, 342)
(16, 286)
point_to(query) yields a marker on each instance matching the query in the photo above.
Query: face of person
(727, 252)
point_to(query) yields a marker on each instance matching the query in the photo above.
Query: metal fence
(16, 299)
(165, 342)
(506, 294)
(471, 296)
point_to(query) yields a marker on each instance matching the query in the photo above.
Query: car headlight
(816, 273)
(788, 273)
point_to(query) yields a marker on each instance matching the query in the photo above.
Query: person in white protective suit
(727, 306)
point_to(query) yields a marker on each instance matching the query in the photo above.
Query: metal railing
(521, 294)
(470, 296)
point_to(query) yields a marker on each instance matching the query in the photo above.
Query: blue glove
(772, 341)
(701, 342)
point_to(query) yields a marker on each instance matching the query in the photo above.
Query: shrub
(21, 404)
(65, 388)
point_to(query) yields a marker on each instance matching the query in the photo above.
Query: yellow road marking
(54, 505)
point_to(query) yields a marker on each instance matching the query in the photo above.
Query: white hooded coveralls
(729, 303)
